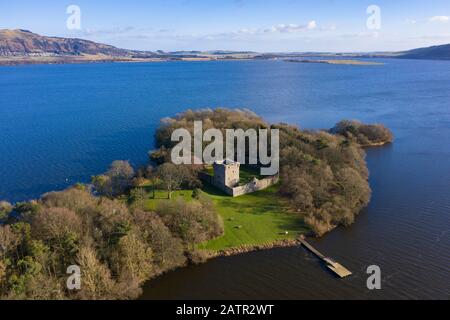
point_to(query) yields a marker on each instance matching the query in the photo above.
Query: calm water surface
(60, 124)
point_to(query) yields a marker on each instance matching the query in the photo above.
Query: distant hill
(25, 47)
(25, 43)
(431, 53)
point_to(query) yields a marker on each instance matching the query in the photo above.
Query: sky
(241, 25)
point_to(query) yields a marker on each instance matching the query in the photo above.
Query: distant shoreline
(22, 47)
(67, 60)
(85, 60)
(47, 60)
(336, 61)
(29, 61)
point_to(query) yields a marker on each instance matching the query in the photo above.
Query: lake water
(60, 124)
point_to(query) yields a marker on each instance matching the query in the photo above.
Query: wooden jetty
(334, 266)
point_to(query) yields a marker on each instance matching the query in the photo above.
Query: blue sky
(258, 25)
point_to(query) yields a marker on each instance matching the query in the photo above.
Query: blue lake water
(60, 124)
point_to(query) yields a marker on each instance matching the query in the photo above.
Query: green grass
(246, 174)
(253, 219)
(161, 196)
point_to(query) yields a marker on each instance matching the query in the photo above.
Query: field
(258, 218)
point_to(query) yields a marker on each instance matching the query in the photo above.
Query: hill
(26, 43)
(25, 47)
(441, 52)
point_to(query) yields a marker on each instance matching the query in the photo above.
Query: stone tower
(226, 173)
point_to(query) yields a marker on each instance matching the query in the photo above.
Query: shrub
(5, 209)
(364, 134)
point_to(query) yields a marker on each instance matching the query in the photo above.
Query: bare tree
(5, 209)
(171, 176)
(116, 180)
(97, 282)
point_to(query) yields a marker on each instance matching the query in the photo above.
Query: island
(336, 61)
(130, 225)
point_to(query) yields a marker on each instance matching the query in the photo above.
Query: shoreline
(338, 62)
(235, 251)
(375, 144)
(22, 60)
(62, 61)
(12, 63)
(230, 252)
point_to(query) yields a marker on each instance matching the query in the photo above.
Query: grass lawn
(252, 219)
(257, 218)
(161, 196)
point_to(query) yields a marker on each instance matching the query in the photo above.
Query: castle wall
(250, 187)
(226, 174)
(254, 186)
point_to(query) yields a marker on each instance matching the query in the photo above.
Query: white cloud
(278, 29)
(411, 21)
(288, 28)
(312, 25)
(436, 37)
(167, 34)
(112, 31)
(440, 19)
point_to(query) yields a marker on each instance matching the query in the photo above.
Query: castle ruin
(226, 178)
